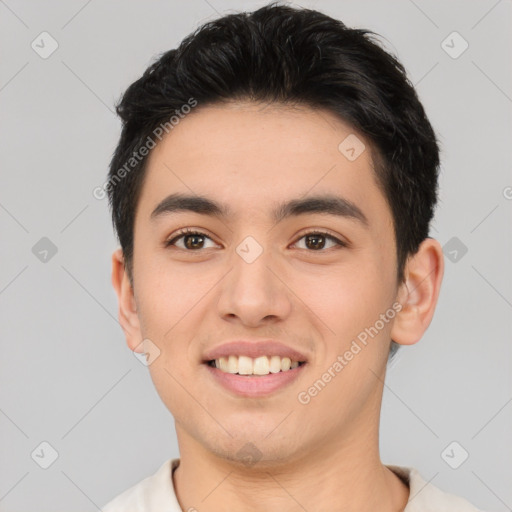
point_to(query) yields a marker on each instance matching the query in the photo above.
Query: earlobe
(127, 307)
(419, 293)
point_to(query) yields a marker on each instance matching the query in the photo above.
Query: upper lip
(254, 349)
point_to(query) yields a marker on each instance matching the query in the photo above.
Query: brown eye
(189, 240)
(193, 241)
(317, 241)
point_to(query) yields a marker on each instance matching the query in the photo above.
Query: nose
(254, 292)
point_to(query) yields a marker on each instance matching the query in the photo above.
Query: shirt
(156, 493)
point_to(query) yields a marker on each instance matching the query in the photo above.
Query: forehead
(252, 157)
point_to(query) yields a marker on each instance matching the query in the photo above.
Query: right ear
(128, 317)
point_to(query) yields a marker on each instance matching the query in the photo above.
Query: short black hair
(298, 57)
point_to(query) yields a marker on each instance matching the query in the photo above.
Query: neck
(346, 471)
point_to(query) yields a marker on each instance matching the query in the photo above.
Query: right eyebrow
(182, 202)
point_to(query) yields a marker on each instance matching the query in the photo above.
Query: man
(272, 192)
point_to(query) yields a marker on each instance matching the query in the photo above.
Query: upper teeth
(258, 366)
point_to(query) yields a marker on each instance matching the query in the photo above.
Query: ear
(127, 313)
(419, 292)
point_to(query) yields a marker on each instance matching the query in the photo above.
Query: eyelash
(187, 231)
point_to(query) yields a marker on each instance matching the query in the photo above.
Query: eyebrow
(326, 204)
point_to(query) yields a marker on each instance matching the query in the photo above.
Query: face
(319, 278)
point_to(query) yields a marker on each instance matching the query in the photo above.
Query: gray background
(68, 378)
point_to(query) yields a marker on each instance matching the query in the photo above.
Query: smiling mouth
(254, 367)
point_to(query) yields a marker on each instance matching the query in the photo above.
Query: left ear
(419, 292)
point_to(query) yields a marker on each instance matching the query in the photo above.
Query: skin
(250, 157)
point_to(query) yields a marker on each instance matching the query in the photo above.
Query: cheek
(168, 305)
(171, 300)
(346, 298)
(163, 289)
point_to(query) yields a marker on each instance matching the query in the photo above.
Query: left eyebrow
(326, 204)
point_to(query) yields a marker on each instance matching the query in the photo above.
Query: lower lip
(255, 385)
